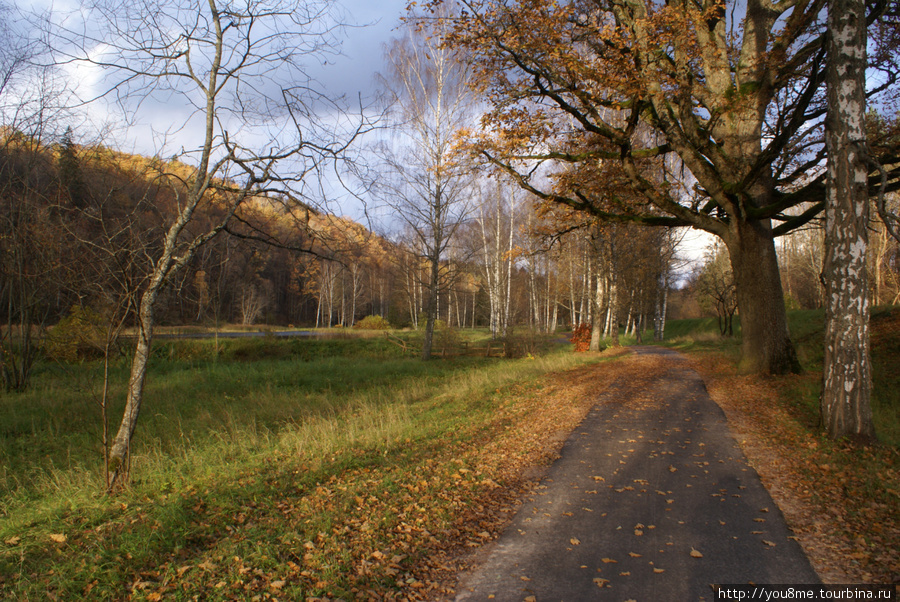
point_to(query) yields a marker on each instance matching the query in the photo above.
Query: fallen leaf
(608, 560)
(659, 571)
(155, 597)
(769, 543)
(672, 469)
(13, 541)
(638, 532)
(601, 582)
(277, 584)
(633, 555)
(206, 565)
(625, 574)
(598, 478)
(574, 541)
(58, 537)
(696, 554)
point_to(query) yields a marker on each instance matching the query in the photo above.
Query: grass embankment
(277, 469)
(841, 498)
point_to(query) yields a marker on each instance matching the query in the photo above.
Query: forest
(183, 185)
(81, 225)
(86, 222)
(504, 181)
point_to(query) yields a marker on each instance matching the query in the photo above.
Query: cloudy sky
(363, 45)
(165, 123)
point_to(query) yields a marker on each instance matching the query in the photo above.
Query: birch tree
(496, 224)
(427, 183)
(845, 403)
(237, 68)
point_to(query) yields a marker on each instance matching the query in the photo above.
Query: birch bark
(845, 405)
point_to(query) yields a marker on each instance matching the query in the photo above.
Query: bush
(581, 338)
(373, 323)
(79, 336)
(445, 337)
(525, 343)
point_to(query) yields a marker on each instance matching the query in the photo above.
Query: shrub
(373, 323)
(581, 338)
(79, 336)
(445, 337)
(525, 343)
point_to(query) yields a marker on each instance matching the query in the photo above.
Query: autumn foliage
(581, 338)
(373, 323)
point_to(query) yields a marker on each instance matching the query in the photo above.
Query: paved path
(652, 499)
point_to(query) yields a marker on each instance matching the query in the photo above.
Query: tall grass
(207, 416)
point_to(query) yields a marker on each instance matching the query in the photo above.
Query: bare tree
(237, 68)
(32, 113)
(428, 185)
(497, 227)
(716, 284)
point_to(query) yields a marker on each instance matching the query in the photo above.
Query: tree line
(532, 146)
(81, 229)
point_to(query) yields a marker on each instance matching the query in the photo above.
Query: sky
(373, 24)
(164, 124)
(350, 74)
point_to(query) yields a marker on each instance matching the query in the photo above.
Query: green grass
(231, 433)
(220, 433)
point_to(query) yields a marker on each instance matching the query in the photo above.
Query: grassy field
(232, 462)
(274, 468)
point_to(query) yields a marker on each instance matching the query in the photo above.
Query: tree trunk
(613, 308)
(121, 445)
(597, 308)
(766, 343)
(431, 309)
(845, 407)
(659, 316)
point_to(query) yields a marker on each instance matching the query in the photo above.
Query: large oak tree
(729, 94)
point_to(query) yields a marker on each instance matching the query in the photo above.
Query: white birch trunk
(845, 405)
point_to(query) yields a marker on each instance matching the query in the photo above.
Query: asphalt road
(651, 500)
